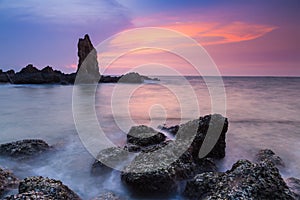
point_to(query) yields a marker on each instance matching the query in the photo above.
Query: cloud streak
(63, 12)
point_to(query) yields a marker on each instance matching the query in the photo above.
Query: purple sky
(243, 37)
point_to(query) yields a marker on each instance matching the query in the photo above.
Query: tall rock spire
(88, 70)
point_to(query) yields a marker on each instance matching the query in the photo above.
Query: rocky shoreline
(152, 170)
(87, 71)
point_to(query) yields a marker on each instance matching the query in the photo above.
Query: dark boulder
(7, 181)
(144, 136)
(268, 154)
(208, 133)
(244, 180)
(108, 158)
(294, 185)
(52, 188)
(159, 167)
(24, 149)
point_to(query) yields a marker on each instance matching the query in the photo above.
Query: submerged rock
(24, 148)
(244, 180)
(268, 154)
(144, 136)
(51, 188)
(7, 181)
(294, 185)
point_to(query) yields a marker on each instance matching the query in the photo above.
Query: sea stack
(88, 70)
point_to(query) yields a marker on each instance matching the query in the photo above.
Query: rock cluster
(244, 180)
(43, 188)
(32, 75)
(24, 149)
(160, 163)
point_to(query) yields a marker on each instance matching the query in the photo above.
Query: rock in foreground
(7, 181)
(113, 156)
(144, 136)
(24, 149)
(208, 132)
(245, 180)
(47, 187)
(32, 195)
(158, 169)
(268, 154)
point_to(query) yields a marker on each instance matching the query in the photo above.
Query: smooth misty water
(262, 112)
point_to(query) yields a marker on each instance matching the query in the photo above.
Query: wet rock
(267, 154)
(244, 180)
(195, 132)
(88, 70)
(108, 196)
(32, 195)
(158, 168)
(144, 136)
(294, 185)
(24, 149)
(49, 187)
(7, 181)
(112, 156)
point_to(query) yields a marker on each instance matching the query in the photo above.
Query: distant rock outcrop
(88, 70)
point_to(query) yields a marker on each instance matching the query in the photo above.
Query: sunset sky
(242, 37)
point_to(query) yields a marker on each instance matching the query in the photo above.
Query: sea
(263, 112)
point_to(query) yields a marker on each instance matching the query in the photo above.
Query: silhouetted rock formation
(88, 70)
